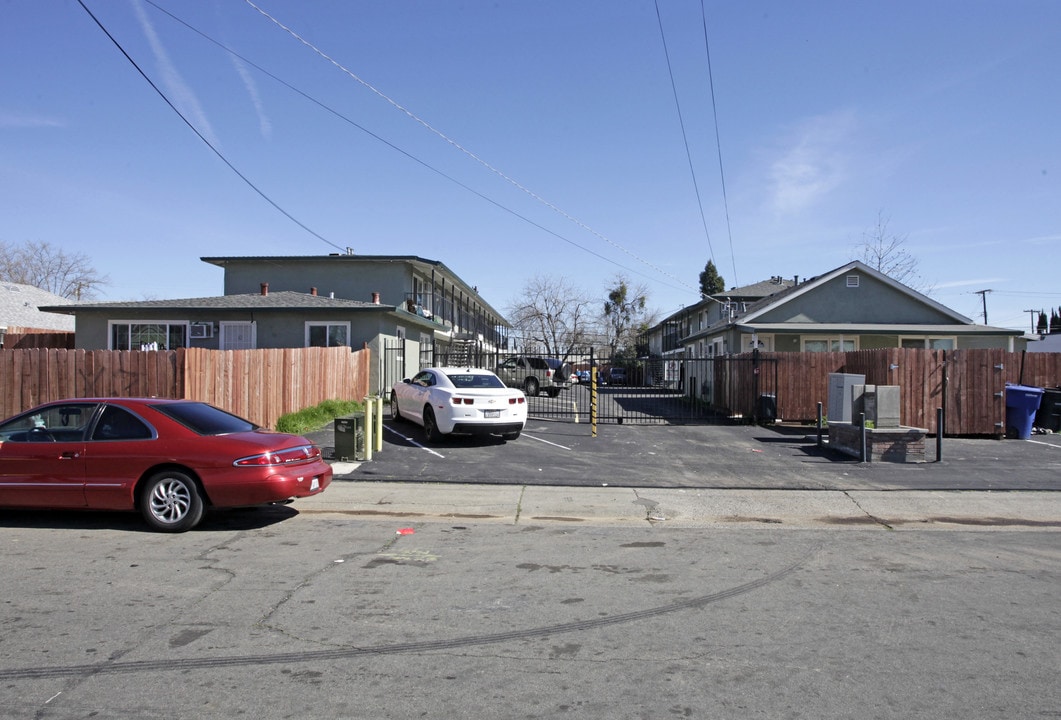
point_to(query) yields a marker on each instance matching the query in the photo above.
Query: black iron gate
(647, 391)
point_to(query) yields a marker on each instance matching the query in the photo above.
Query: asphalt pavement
(692, 476)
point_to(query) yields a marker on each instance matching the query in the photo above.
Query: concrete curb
(407, 503)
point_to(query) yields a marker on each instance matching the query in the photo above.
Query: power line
(685, 136)
(391, 145)
(456, 145)
(195, 130)
(718, 143)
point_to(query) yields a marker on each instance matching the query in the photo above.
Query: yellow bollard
(379, 424)
(368, 428)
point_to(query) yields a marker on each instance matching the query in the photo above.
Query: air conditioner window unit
(202, 330)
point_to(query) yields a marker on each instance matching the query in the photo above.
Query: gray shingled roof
(281, 300)
(20, 306)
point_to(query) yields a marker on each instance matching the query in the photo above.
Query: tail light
(463, 401)
(517, 400)
(303, 453)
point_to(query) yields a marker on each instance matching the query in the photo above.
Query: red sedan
(168, 459)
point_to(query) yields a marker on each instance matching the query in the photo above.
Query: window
(829, 344)
(931, 343)
(162, 335)
(238, 336)
(119, 424)
(327, 334)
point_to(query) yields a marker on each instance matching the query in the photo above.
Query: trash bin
(350, 437)
(1048, 417)
(1022, 402)
(767, 408)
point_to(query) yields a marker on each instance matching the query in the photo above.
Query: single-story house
(852, 307)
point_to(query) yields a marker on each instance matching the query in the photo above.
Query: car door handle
(69, 455)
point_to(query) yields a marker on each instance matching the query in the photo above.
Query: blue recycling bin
(1022, 402)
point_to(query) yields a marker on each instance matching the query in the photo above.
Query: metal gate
(647, 391)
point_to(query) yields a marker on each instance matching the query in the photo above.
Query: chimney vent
(375, 298)
(313, 291)
(265, 288)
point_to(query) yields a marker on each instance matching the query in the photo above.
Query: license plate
(492, 413)
(315, 484)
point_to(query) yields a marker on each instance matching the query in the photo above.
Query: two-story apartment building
(403, 307)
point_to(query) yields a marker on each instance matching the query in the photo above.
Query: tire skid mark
(122, 668)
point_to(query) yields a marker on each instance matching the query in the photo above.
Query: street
(275, 613)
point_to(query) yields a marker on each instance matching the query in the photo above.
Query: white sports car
(460, 400)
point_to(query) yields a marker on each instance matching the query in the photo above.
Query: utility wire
(718, 143)
(460, 147)
(391, 145)
(685, 136)
(195, 130)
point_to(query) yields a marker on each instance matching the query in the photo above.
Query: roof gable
(854, 293)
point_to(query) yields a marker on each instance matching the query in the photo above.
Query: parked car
(617, 376)
(583, 376)
(167, 459)
(460, 400)
(535, 374)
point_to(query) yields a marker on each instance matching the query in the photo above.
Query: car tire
(396, 414)
(171, 502)
(531, 387)
(552, 392)
(431, 425)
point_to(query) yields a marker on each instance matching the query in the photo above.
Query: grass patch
(314, 418)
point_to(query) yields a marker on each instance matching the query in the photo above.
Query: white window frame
(224, 341)
(765, 342)
(926, 341)
(835, 342)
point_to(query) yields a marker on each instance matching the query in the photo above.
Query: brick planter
(901, 444)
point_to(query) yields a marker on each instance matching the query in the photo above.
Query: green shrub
(315, 418)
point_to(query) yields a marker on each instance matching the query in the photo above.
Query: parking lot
(552, 452)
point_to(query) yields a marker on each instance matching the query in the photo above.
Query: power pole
(1035, 316)
(983, 297)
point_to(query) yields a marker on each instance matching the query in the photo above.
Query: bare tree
(42, 266)
(553, 313)
(883, 251)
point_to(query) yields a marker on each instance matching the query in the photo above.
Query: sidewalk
(410, 503)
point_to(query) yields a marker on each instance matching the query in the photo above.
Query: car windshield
(474, 380)
(205, 419)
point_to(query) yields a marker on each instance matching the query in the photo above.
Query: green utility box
(350, 437)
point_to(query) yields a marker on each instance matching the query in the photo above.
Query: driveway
(694, 456)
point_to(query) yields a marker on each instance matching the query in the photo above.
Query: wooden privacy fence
(260, 385)
(969, 385)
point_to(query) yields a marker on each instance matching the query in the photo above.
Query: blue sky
(517, 139)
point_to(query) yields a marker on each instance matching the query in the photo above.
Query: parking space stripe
(409, 440)
(562, 447)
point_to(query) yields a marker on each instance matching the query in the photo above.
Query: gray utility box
(841, 393)
(880, 403)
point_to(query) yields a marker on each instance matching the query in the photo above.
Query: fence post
(862, 437)
(939, 434)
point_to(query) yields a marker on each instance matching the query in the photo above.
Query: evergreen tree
(1055, 322)
(710, 281)
(1041, 326)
